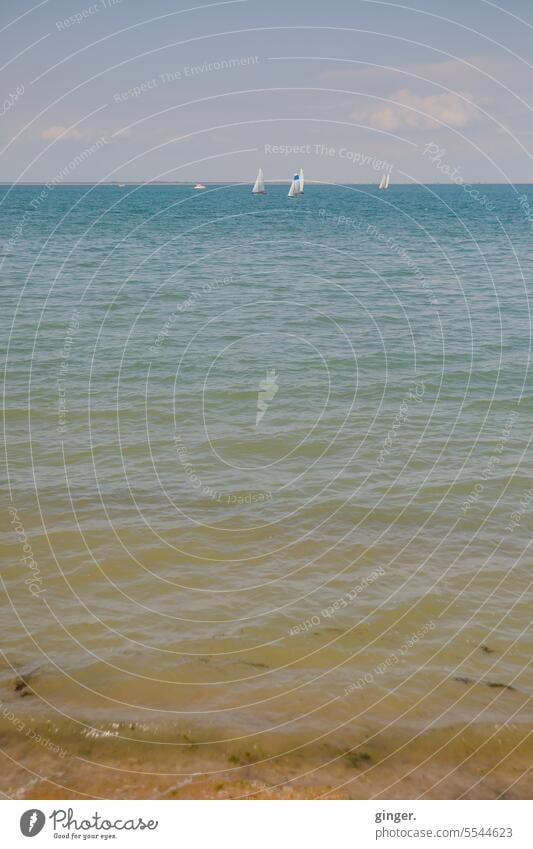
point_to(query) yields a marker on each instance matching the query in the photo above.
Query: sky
(125, 90)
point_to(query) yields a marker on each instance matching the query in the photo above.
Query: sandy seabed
(452, 763)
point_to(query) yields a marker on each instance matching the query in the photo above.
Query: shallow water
(270, 457)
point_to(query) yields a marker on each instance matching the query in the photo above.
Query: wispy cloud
(60, 133)
(408, 110)
(457, 93)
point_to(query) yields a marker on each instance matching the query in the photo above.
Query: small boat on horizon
(199, 186)
(384, 182)
(259, 185)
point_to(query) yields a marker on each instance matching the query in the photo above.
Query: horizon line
(240, 182)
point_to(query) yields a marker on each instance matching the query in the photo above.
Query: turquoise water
(261, 448)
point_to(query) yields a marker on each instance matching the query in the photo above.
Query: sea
(268, 471)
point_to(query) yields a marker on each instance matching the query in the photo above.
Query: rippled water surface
(268, 459)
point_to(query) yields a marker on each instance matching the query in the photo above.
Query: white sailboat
(294, 190)
(302, 181)
(259, 185)
(384, 183)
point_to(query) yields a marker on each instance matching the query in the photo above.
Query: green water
(267, 460)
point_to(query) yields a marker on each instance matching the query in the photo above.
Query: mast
(259, 185)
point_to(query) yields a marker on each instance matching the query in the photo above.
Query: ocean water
(268, 460)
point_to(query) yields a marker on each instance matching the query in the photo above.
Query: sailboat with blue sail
(295, 190)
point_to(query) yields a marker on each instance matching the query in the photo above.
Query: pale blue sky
(362, 80)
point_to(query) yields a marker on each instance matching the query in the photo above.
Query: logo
(267, 389)
(32, 822)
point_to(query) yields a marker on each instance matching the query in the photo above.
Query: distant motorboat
(294, 190)
(384, 183)
(259, 185)
(199, 186)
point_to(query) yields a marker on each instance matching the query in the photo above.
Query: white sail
(259, 185)
(301, 180)
(383, 181)
(387, 181)
(294, 190)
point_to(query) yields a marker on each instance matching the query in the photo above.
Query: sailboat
(384, 183)
(259, 185)
(294, 190)
(301, 181)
